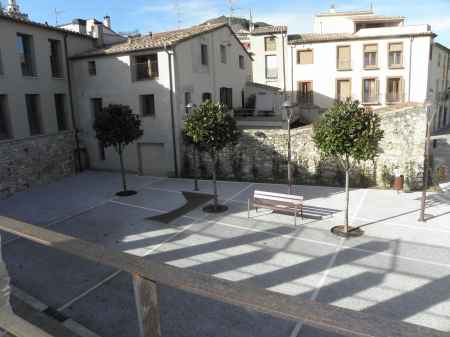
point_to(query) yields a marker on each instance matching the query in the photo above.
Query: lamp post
(289, 107)
(430, 117)
(189, 108)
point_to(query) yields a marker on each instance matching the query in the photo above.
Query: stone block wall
(35, 160)
(261, 155)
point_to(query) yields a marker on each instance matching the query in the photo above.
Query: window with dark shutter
(60, 107)
(204, 54)
(5, 127)
(34, 114)
(147, 105)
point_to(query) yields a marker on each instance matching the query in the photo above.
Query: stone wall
(261, 155)
(35, 160)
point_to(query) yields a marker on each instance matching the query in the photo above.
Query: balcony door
(305, 92)
(343, 89)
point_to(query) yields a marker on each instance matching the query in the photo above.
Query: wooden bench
(277, 201)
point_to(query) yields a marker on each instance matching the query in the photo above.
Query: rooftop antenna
(231, 7)
(371, 6)
(251, 27)
(57, 14)
(177, 9)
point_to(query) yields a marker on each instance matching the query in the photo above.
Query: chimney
(107, 21)
(80, 25)
(97, 32)
(13, 7)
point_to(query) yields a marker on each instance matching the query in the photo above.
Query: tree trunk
(347, 197)
(122, 169)
(216, 201)
(195, 153)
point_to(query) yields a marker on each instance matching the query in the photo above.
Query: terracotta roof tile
(152, 41)
(269, 30)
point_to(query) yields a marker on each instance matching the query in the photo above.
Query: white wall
(324, 73)
(15, 85)
(259, 60)
(113, 83)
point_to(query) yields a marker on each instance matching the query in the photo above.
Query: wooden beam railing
(147, 274)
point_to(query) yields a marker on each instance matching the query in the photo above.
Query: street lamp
(430, 112)
(189, 108)
(289, 107)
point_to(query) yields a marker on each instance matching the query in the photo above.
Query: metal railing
(148, 274)
(145, 70)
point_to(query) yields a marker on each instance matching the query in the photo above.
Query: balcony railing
(392, 98)
(148, 274)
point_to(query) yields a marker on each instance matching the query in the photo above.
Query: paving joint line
(298, 327)
(39, 306)
(287, 236)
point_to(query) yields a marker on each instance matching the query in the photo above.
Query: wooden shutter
(395, 47)
(370, 48)
(402, 90)
(306, 56)
(343, 57)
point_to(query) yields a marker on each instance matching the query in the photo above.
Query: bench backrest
(270, 198)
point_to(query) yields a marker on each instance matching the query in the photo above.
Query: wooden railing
(147, 274)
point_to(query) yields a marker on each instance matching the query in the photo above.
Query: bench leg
(248, 209)
(301, 213)
(295, 218)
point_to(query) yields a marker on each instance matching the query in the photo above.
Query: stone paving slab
(398, 269)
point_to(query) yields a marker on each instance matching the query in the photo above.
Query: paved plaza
(399, 269)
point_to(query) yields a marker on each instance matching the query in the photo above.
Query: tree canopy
(210, 126)
(117, 126)
(348, 131)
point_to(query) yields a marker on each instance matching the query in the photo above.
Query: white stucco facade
(113, 83)
(417, 75)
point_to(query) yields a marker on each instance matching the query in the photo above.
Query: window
(60, 108)
(96, 108)
(26, 54)
(270, 43)
(204, 54)
(187, 100)
(305, 93)
(147, 105)
(305, 56)
(271, 67)
(241, 62)
(370, 91)
(92, 68)
(370, 56)
(226, 97)
(343, 89)
(206, 96)
(223, 53)
(344, 58)
(56, 63)
(5, 127)
(146, 67)
(34, 114)
(395, 55)
(394, 90)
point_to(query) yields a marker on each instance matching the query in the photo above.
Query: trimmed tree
(117, 126)
(210, 127)
(350, 134)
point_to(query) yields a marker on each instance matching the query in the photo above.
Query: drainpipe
(172, 114)
(411, 39)
(72, 112)
(283, 36)
(292, 71)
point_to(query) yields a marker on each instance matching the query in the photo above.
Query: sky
(159, 15)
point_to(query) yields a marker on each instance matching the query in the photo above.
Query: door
(152, 159)
(305, 92)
